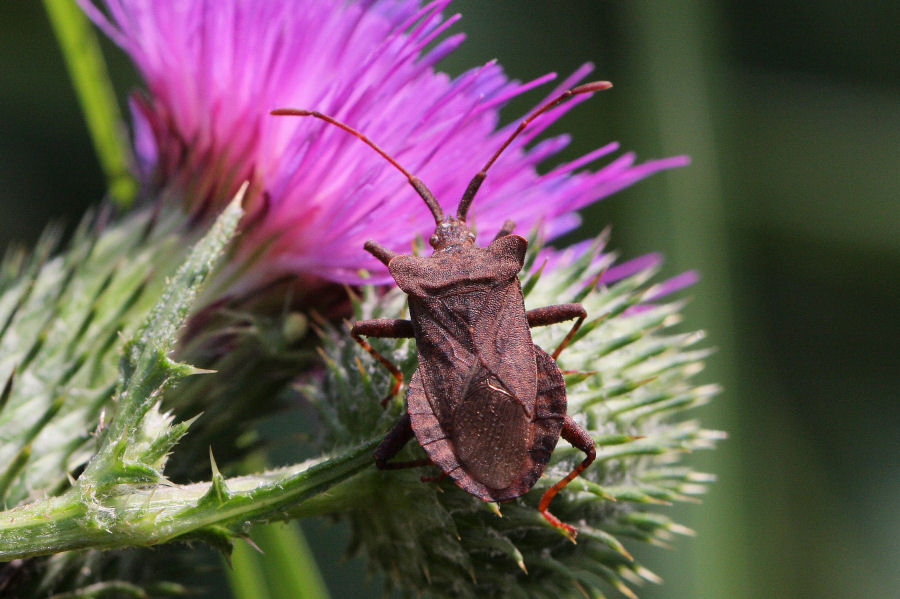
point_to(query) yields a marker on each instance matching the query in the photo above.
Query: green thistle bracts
(629, 382)
(63, 397)
(88, 445)
(123, 498)
(114, 490)
(64, 321)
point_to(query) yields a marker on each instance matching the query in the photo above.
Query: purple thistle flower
(214, 70)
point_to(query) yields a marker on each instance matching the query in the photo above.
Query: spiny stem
(136, 515)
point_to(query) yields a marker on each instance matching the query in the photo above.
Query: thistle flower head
(214, 71)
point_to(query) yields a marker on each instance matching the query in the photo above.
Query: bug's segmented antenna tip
(291, 112)
(594, 86)
(478, 179)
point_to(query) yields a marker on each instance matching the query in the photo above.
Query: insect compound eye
(471, 236)
(433, 240)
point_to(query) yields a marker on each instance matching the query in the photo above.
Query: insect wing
(550, 410)
(491, 432)
(503, 343)
(447, 357)
(467, 309)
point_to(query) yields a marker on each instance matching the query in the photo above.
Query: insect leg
(580, 439)
(393, 328)
(379, 251)
(505, 230)
(559, 313)
(393, 442)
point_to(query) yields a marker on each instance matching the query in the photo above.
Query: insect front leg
(379, 251)
(580, 439)
(390, 328)
(554, 314)
(507, 228)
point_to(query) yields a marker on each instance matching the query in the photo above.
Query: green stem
(132, 515)
(289, 562)
(245, 573)
(90, 79)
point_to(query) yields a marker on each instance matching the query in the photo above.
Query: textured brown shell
(474, 403)
(469, 320)
(545, 427)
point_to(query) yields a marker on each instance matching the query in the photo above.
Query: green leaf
(145, 367)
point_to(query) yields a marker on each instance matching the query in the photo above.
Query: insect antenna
(417, 184)
(478, 179)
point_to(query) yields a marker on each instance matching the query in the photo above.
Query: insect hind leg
(580, 439)
(391, 445)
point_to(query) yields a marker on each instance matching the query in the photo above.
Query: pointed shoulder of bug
(459, 268)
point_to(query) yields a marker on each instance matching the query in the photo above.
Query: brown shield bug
(486, 404)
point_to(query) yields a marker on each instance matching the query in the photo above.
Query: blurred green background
(791, 112)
